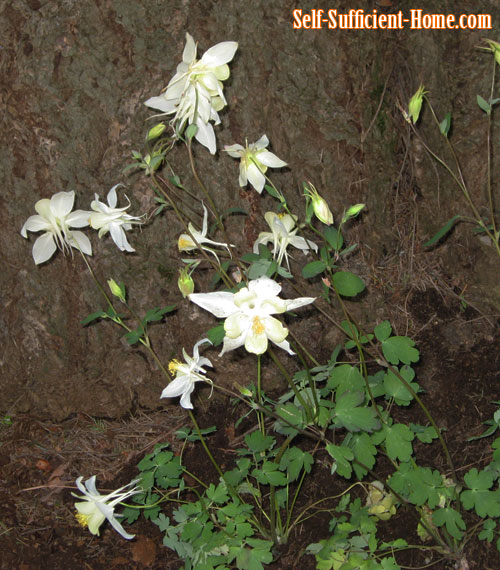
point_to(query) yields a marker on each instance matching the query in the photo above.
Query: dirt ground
(78, 400)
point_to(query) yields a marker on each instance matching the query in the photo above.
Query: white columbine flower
(55, 218)
(186, 242)
(282, 235)
(108, 218)
(95, 508)
(186, 374)
(255, 160)
(194, 94)
(248, 315)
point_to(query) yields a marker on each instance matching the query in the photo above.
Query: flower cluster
(56, 220)
(194, 95)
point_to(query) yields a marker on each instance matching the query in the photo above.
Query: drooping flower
(95, 508)
(108, 218)
(248, 315)
(186, 375)
(55, 218)
(194, 95)
(186, 242)
(320, 207)
(255, 160)
(415, 104)
(381, 503)
(282, 235)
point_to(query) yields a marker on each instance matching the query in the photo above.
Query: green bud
(319, 205)
(155, 131)
(494, 47)
(185, 282)
(415, 104)
(117, 290)
(352, 212)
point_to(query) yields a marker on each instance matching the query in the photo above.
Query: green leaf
(347, 284)
(424, 433)
(364, 451)
(313, 268)
(334, 237)
(156, 314)
(94, 317)
(400, 349)
(352, 417)
(342, 457)
(294, 460)
(394, 388)
(383, 331)
(216, 334)
(483, 104)
(345, 377)
(272, 192)
(217, 494)
(479, 497)
(452, 519)
(258, 442)
(262, 267)
(443, 231)
(488, 531)
(269, 474)
(398, 438)
(133, 336)
(445, 124)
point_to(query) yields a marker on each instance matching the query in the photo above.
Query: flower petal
(269, 159)
(62, 203)
(44, 248)
(205, 135)
(219, 54)
(220, 303)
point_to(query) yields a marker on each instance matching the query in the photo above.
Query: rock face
(74, 79)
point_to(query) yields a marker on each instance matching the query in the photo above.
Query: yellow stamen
(257, 326)
(173, 365)
(82, 519)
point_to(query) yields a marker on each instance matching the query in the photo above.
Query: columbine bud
(415, 104)
(352, 212)
(494, 47)
(320, 207)
(185, 282)
(117, 290)
(155, 131)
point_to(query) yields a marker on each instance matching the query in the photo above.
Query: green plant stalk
(460, 182)
(489, 191)
(260, 417)
(291, 383)
(144, 341)
(224, 276)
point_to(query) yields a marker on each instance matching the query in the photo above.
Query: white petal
(261, 143)
(265, 287)
(90, 484)
(274, 329)
(81, 242)
(301, 243)
(35, 223)
(285, 345)
(62, 203)
(300, 302)
(256, 343)
(220, 303)
(234, 150)
(79, 219)
(220, 53)
(256, 178)
(111, 197)
(44, 248)
(232, 343)
(177, 387)
(118, 527)
(189, 53)
(205, 135)
(117, 233)
(161, 104)
(269, 159)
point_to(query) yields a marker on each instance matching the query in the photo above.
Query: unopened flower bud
(415, 105)
(320, 207)
(494, 47)
(155, 131)
(185, 282)
(352, 212)
(116, 290)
